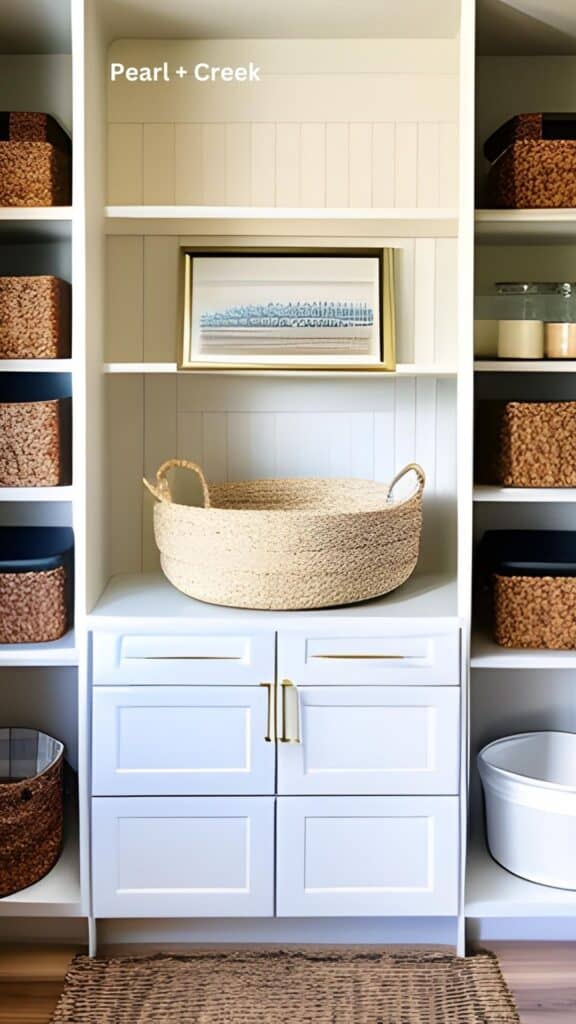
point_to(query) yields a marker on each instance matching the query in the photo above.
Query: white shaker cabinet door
(367, 856)
(183, 857)
(189, 740)
(371, 739)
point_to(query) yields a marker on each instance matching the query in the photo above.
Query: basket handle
(161, 488)
(412, 467)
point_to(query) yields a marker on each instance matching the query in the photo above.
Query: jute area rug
(297, 986)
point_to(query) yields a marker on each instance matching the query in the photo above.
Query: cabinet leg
(461, 937)
(92, 937)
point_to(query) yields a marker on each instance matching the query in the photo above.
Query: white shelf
(519, 226)
(486, 653)
(35, 223)
(491, 891)
(484, 492)
(399, 222)
(525, 365)
(58, 652)
(58, 893)
(35, 366)
(36, 493)
(402, 370)
(150, 597)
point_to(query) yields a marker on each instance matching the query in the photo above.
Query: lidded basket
(288, 544)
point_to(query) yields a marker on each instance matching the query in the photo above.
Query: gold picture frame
(381, 358)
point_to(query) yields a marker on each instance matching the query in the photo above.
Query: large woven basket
(31, 800)
(287, 544)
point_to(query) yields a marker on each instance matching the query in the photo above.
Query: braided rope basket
(287, 544)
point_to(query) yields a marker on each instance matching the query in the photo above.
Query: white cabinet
(169, 740)
(183, 857)
(372, 739)
(367, 856)
(220, 658)
(400, 658)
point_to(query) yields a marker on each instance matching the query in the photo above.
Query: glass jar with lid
(532, 314)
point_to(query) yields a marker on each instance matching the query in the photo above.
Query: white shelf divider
(491, 891)
(37, 494)
(517, 226)
(402, 369)
(486, 653)
(57, 652)
(483, 492)
(525, 365)
(35, 366)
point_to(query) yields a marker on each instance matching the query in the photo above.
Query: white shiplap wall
(333, 123)
(251, 427)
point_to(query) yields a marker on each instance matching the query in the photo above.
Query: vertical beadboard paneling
(337, 165)
(263, 165)
(405, 422)
(160, 443)
(238, 164)
(383, 165)
(406, 153)
(161, 274)
(188, 164)
(125, 442)
(360, 165)
(448, 168)
(313, 165)
(158, 164)
(125, 164)
(446, 307)
(215, 445)
(443, 527)
(288, 145)
(214, 158)
(405, 299)
(428, 164)
(424, 299)
(250, 445)
(124, 298)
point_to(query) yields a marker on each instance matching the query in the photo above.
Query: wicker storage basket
(35, 431)
(533, 160)
(527, 444)
(34, 318)
(31, 807)
(287, 544)
(35, 583)
(35, 161)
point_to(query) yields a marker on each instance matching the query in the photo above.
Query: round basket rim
(11, 787)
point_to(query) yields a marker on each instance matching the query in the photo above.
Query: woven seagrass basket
(31, 807)
(287, 544)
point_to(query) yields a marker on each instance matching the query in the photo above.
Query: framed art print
(277, 310)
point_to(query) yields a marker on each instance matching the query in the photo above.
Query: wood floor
(541, 975)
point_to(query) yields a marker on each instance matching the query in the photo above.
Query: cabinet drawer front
(172, 740)
(373, 739)
(367, 856)
(196, 658)
(183, 857)
(400, 659)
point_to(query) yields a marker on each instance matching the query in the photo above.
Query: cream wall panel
(424, 299)
(313, 165)
(263, 165)
(337, 165)
(124, 298)
(445, 301)
(161, 277)
(160, 443)
(383, 164)
(360, 165)
(251, 445)
(125, 442)
(428, 165)
(213, 164)
(188, 164)
(238, 167)
(158, 164)
(288, 149)
(125, 163)
(406, 164)
(448, 169)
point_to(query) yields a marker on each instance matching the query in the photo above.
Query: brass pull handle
(270, 736)
(287, 685)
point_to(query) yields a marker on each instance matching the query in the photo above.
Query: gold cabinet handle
(270, 736)
(287, 685)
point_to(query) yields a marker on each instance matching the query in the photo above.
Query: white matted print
(271, 310)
